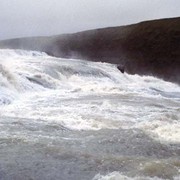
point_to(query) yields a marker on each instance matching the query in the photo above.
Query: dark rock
(121, 68)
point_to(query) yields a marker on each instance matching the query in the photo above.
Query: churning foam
(119, 176)
(86, 95)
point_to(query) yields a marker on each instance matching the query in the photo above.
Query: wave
(119, 176)
(80, 94)
(39, 68)
(29, 70)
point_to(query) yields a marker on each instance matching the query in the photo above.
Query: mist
(21, 18)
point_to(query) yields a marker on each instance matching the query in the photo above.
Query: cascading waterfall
(91, 101)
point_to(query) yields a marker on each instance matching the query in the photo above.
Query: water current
(70, 119)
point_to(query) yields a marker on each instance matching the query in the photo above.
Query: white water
(119, 176)
(86, 95)
(81, 95)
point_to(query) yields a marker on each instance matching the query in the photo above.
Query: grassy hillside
(151, 47)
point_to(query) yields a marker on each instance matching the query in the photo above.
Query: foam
(119, 176)
(164, 131)
(84, 95)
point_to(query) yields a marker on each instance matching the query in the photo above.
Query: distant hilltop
(146, 48)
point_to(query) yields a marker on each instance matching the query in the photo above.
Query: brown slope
(151, 47)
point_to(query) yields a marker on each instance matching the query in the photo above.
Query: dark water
(49, 151)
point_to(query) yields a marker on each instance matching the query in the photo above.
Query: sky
(21, 18)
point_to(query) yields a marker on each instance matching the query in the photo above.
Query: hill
(149, 48)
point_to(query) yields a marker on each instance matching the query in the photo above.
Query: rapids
(76, 119)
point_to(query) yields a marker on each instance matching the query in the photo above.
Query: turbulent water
(72, 119)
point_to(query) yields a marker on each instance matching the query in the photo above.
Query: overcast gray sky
(19, 18)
